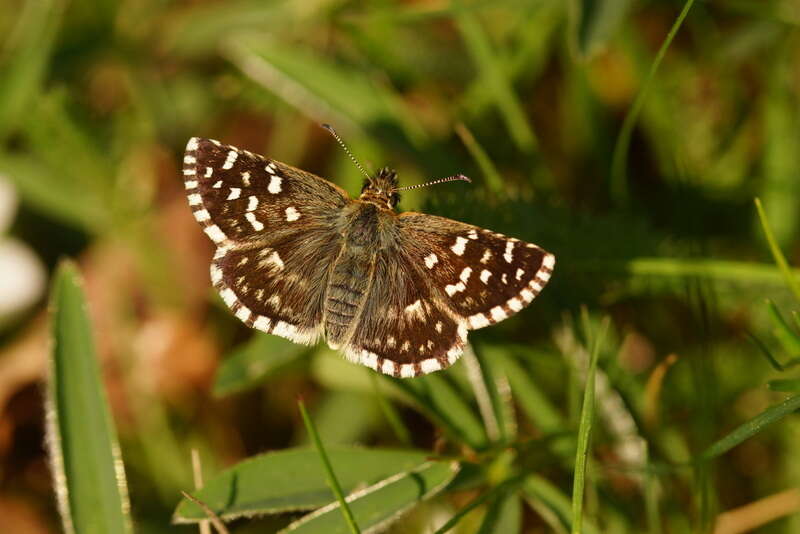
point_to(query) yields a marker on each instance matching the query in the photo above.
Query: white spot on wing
(229, 161)
(430, 260)
(520, 272)
(189, 172)
(439, 326)
(472, 234)
(430, 365)
(217, 184)
(459, 246)
(202, 215)
(252, 203)
(243, 314)
(498, 313)
(275, 260)
(195, 200)
(251, 217)
(189, 160)
(190, 184)
(246, 178)
(487, 255)
(192, 144)
(235, 193)
(262, 323)
(515, 304)
(549, 261)
(414, 308)
(407, 370)
(509, 254)
(292, 214)
(274, 186)
(485, 275)
(478, 320)
(388, 367)
(209, 172)
(465, 274)
(452, 289)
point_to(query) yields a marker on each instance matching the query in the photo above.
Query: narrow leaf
(293, 480)
(381, 504)
(752, 427)
(88, 474)
(777, 254)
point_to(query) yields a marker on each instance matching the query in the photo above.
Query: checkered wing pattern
(442, 279)
(273, 226)
(483, 276)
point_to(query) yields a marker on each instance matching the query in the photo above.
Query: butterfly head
(381, 189)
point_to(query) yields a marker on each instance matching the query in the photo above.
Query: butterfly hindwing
(484, 276)
(405, 330)
(273, 227)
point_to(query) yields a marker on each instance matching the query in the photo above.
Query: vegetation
(653, 146)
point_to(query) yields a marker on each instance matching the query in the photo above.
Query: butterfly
(397, 292)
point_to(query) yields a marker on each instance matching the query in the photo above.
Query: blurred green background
(655, 228)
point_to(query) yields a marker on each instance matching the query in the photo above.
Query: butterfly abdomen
(347, 289)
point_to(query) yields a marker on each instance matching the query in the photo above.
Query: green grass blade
(537, 407)
(27, 53)
(788, 385)
(619, 181)
(381, 504)
(787, 337)
(551, 503)
(584, 433)
(254, 362)
(594, 23)
(752, 427)
(777, 255)
(494, 182)
(293, 479)
(489, 67)
(446, 407)
(496, 492)
(330, 475)
(399, 428)
(504, 515)
(87, 469)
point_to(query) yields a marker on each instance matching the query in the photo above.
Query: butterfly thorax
(380, 189)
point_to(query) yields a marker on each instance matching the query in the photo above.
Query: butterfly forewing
(273, 226)
(484, 276)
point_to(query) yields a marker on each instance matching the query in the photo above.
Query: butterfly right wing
(275, 231)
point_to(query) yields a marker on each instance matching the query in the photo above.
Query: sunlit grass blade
(752, 427)
(88, 473)
(584, 432)
(294, 479)
(378, 506)
(777, 255)
(619, 180)
(330, 475)
(485, 393)
(534, 403)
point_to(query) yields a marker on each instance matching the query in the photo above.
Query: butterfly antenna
(457, 177)
(346, 150)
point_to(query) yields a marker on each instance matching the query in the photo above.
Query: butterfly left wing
(274, 227)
